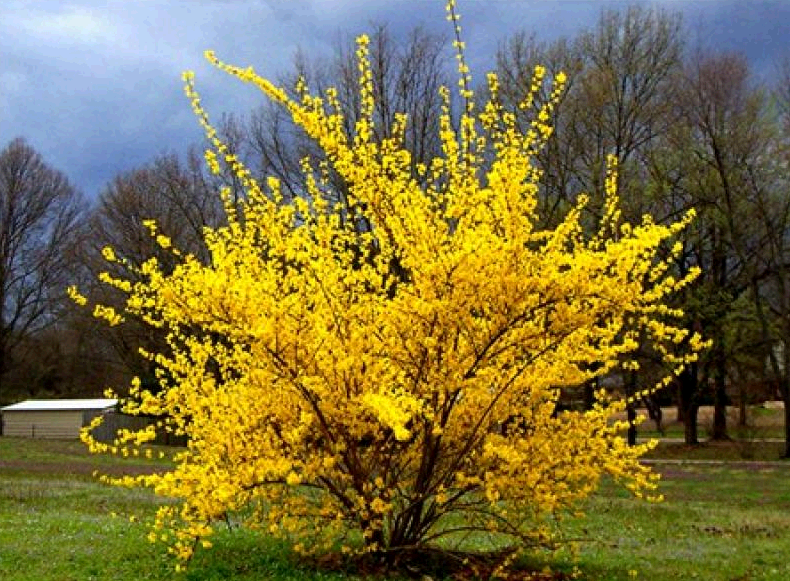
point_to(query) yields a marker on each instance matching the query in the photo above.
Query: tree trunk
(720, 398)
(631, 424)
(680, 417)
(589, 393)
(690, 434)
(688, 401)
(630, 390)
(4, 397)
(787, 426)
(784, 387)
(655, 413)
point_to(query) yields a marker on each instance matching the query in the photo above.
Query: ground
(725, 518)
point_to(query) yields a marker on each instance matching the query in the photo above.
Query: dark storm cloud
(95, 86)
(760, 30)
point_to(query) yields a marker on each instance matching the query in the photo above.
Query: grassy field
(724, 521)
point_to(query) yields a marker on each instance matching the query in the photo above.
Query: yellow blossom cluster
(399, 378)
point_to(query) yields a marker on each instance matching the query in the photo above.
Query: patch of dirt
(429, 564)
(679, 474)
(79, 468)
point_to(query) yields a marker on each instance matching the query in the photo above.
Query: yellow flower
(323, 370)
(75, 295)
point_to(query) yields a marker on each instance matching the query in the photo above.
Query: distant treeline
(690, 128)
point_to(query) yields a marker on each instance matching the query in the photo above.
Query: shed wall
(42, 424)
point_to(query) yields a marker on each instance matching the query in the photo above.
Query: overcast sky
(95, 86)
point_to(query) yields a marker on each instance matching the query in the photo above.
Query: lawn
(719, 522)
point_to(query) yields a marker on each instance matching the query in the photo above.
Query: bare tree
(621, 76)
(781, 91)
(517, 58)
(769, 192)
(182, 201)
(618, 101)
(724, 113)
(625, 97)
(177, 195)
(406, 79)
(40, 214)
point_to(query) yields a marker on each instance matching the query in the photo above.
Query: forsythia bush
(383, 374)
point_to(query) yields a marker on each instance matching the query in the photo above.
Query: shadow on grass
(240, 554)
(243, 555)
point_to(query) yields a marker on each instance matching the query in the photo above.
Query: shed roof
(61, 404)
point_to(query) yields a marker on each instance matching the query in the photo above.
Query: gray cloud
(95, 85)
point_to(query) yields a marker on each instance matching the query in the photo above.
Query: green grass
(719, 522)
(72, 452)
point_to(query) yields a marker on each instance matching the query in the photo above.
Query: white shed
(52, 418)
